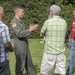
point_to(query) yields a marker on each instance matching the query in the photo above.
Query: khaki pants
(50, 61)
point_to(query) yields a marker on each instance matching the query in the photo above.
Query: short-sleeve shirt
(55, 30)
(4, 38)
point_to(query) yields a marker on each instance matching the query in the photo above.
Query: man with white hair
(5, 46)
(54, 29)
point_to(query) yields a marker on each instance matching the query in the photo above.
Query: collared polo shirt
(55, 30)
(4, 38)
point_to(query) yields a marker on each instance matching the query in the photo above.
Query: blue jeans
(71, 60)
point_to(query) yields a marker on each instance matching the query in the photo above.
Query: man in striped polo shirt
(5, 46)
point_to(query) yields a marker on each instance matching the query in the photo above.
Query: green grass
(36, 49)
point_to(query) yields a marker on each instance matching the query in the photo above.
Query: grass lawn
(36, 49)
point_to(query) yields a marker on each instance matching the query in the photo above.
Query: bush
(36, 11)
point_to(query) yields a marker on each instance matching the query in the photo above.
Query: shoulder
(65, 23)
(3, 28)
(63, 20)
(48, 21)
(13, 22)
(2, 25)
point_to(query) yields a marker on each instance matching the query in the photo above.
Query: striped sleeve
(5, 35)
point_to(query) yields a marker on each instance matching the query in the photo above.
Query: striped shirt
(4, 38)
(55, 30)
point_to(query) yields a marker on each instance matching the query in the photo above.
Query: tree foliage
(36, 11)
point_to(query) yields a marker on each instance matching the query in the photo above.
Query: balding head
(1, 10)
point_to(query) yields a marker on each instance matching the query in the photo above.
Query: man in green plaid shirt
(54, 29)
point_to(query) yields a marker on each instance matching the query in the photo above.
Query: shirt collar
(56, 16)
(18, 19)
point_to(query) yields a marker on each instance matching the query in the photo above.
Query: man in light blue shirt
(5, 46)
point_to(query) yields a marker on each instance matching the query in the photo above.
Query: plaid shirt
(55, 30)
(4, 38)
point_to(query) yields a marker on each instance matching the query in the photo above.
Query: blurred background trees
(36, 11)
